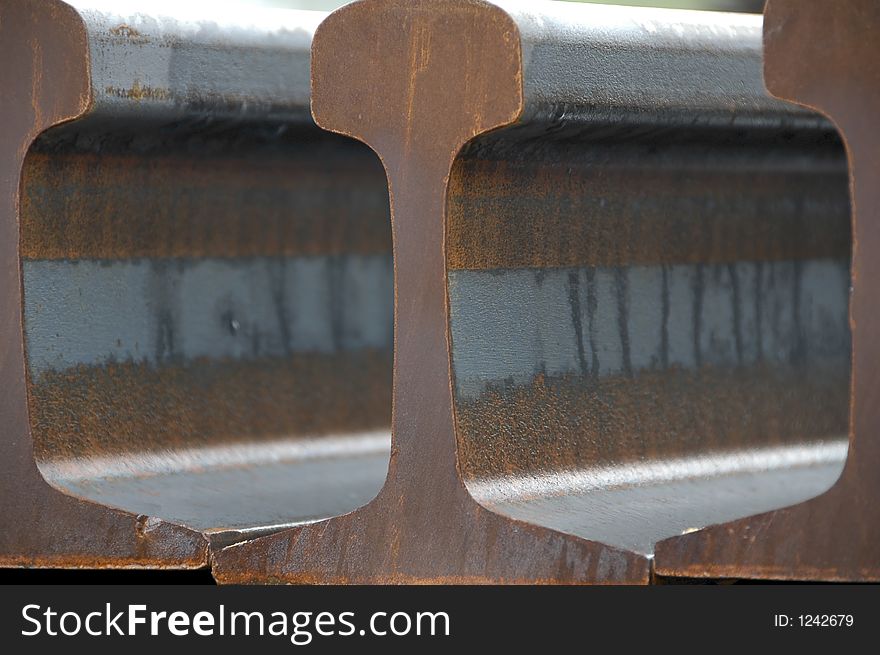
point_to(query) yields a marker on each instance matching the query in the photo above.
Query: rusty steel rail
(196, 292)
(826, 57)
(621, 290)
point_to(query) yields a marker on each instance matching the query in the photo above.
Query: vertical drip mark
(335, 271)
(664, 322)
(775, 329)
(759, 309)
(574, 302)
(698, 313)
(162, 295)
(165, 337)
(539, 346)
(621, 287)
(592, 307)
(278, 286)
(737, 312)
(798, 352)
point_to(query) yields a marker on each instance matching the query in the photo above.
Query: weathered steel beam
(416, 81)
(621, 285)
(198, 284)
(606, 332)
(44, 79)
(824, 56)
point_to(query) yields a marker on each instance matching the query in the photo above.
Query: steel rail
(621, 286)
(605, 332)
(197, 291)
(823, 57)
(45, 82)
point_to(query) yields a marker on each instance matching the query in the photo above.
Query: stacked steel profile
(621, 292)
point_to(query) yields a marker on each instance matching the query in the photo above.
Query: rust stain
(139, 92)
(128, 407)
(534, 212)
(126, 31)
(119, 206)
(565, 422)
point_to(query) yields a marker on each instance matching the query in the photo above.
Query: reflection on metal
(509, 325)
(647, 275)
(235, 309)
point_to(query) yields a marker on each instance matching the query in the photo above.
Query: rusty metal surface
(620, 287)
(572, 204)
(824, 56)
(199, 310)
(205, 290)
(648, 276)
(44, 80)
(640, 304)
(640, 347)
(295, 196)
(647, 293)
(416, 98)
